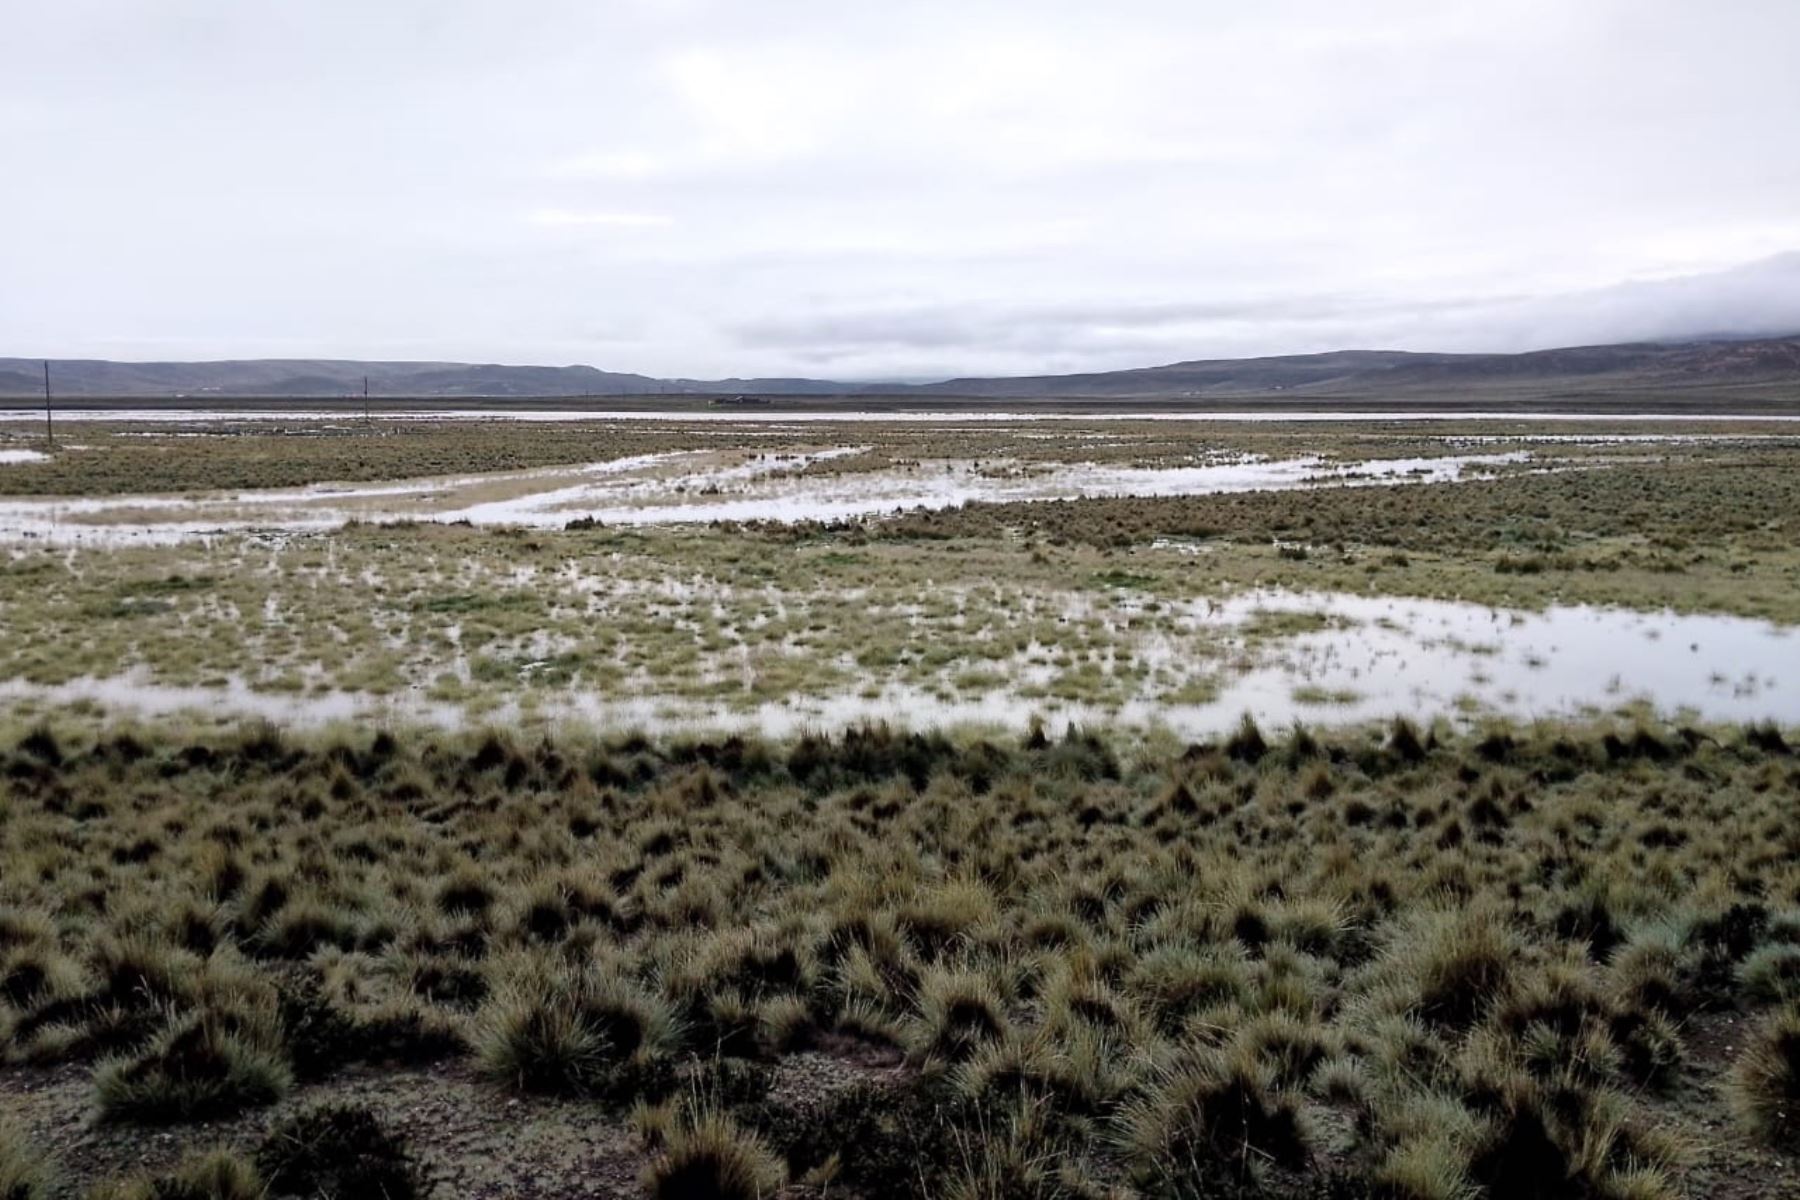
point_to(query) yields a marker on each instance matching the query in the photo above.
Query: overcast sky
(689, 187)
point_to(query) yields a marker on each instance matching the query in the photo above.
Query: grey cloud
(1028, 327)
(1758, 298)
(701, 188)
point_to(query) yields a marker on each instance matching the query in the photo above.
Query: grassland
(1541, 961)
(107, 458)
(1443, 957)
(1085, 606)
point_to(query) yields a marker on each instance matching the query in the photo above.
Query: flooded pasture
(700, 486)
(937, 417)
(1282, 657)
(724, 571)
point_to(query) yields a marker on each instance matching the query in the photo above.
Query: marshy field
(976, 805)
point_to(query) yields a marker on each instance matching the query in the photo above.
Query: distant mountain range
(1375, 372)
(1654, 366)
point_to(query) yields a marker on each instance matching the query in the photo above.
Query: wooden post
(49, 424)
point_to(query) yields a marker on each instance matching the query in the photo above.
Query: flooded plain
(1282, 657)
(740, 577)
(938, 417)
(699, 486)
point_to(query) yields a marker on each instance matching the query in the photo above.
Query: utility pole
(366, 416)
(49, 424)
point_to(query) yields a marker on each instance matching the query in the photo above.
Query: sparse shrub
(872, 1138)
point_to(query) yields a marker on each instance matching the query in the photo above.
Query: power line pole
(49, 424)
(366, 417)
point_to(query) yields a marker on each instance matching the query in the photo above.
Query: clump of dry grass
(1211, 1115)
(342, 1152)
(708, 1156)
(960, 1010)
(208, 1175)
(576, 1031)
(25, 1173)
(1447, 968)
(198, 1067)
(1765, 1082)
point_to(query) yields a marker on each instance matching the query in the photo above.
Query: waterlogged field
(897, 807)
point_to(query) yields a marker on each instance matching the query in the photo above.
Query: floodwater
(1387, 654)
(21, 456)
(201, 416)
(693, 486)
(1359, 659)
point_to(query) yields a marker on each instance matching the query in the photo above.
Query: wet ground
(349, 416)
(1283, 657)
(697, 486)
(140, 591)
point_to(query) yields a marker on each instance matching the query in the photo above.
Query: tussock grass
(575, 1031)
(212, 1175)
(196, 1068)
(1056, 963)
(341, 1152)
(25, 1173)
(1211, 1115)
(707, 1156)
(1765, 1082)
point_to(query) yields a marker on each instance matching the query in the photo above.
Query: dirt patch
(474, 1141)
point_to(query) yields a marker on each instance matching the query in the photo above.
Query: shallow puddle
(1392, 654)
